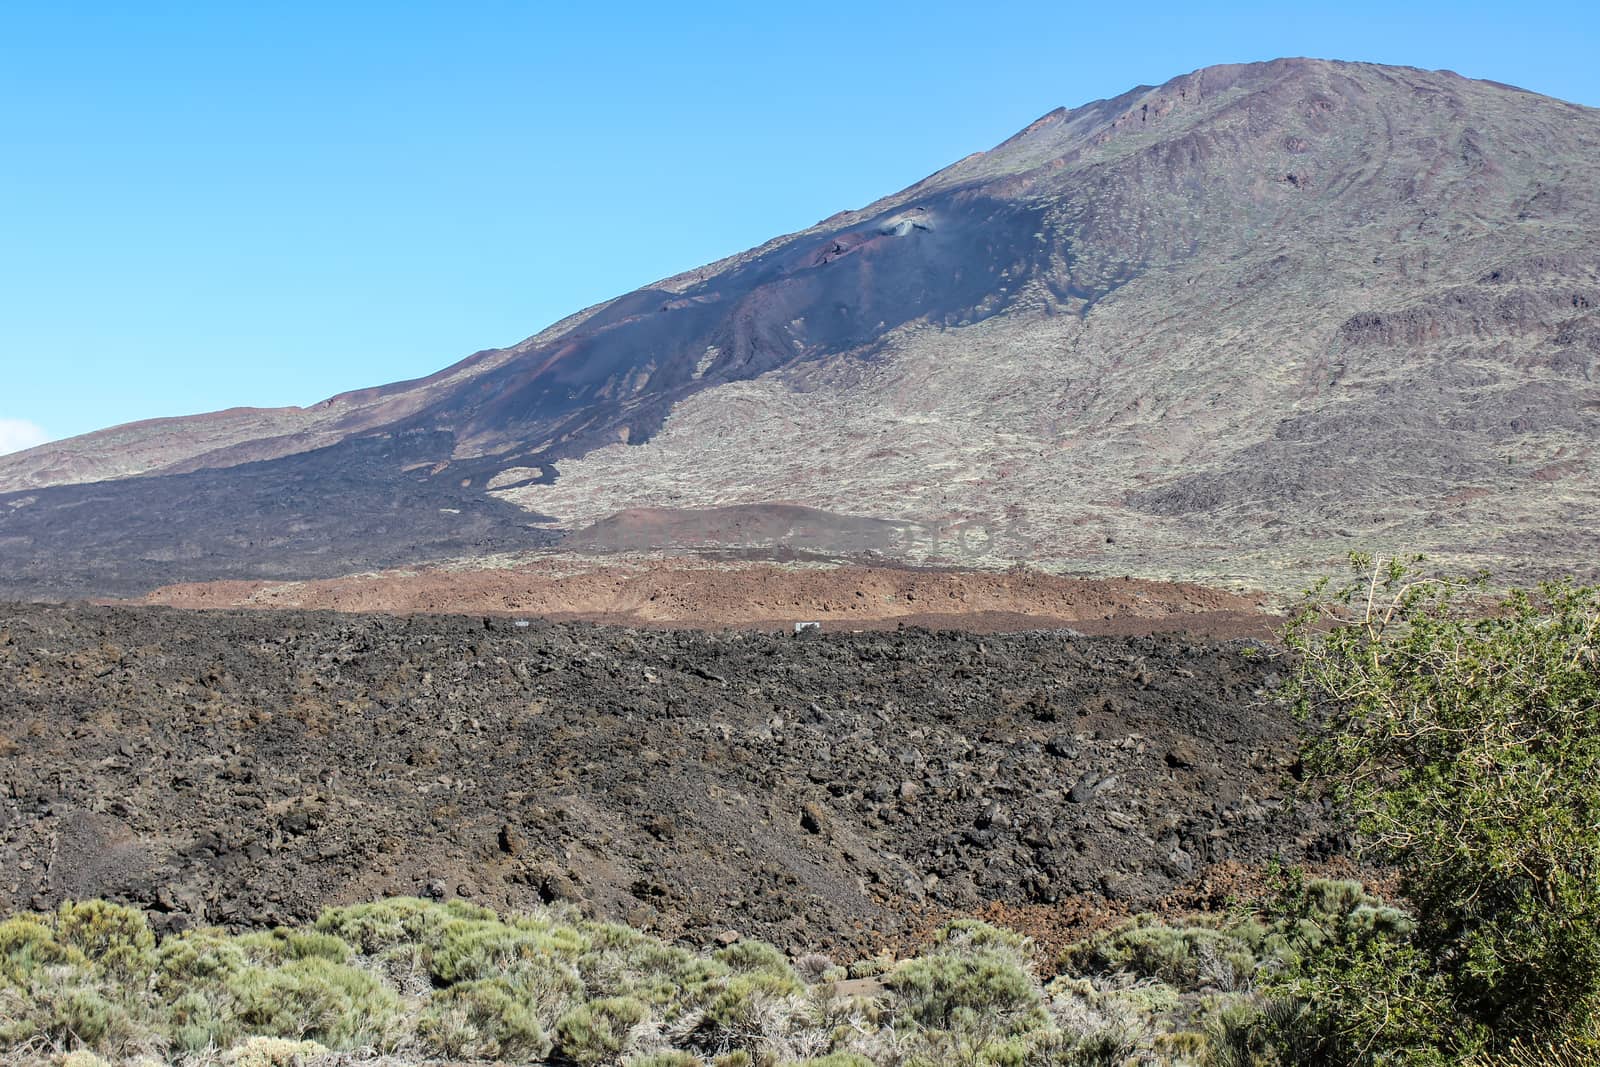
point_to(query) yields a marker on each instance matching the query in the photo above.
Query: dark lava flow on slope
(250, 767)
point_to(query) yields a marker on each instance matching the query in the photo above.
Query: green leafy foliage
(942, 991)
(1462, 736)
(1250, 988)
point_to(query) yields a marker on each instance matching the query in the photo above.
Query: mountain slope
(1225, 327)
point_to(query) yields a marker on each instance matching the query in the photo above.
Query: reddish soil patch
(683, 593)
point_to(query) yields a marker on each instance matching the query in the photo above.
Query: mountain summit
(1227, 327)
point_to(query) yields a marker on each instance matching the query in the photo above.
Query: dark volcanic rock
(323, 513)
(252, 767)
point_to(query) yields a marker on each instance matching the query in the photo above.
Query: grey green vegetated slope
(1227, 327)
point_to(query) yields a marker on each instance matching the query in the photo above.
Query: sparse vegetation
(1208, 991)
(407, 980)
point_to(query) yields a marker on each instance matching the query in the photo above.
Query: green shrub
(202, 1020)
(736, 1013)
(197, 957)
(751, 956)
(275, 1052)
(318, 1000)
(83, 1059)
(1188, 957)
(948, 992)
(16, 1026)
(470, 985)
(114, 937)
(69, 1013)
(974, 935)
(382, 924)
(85, 1017)
(282, 944)
(752, 990)
(471, 951)
(1463, 739)
(665, 1059)
(28, 943)
(483, 1019)
(598, 1030)
(669, 979)
(1577, 1050)
(612, 937)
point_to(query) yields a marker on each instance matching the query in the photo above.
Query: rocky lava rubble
(246, 767)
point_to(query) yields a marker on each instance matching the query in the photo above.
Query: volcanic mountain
(1225, 328)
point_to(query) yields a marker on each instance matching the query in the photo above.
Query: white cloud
(17, 434)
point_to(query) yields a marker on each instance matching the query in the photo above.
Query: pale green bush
(274, 1052)
(486, 1019)
(599, 1030)
(976, 978)
(458, 982)
(315, 999)
(115, 939)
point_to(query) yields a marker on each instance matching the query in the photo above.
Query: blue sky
(204, 205)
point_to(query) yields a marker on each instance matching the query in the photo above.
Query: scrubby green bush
(751, 998)
(1199, 954)
(486, 1019)
(747, 1009)
(1463, 739)
(468, 951)
(751, 957)
(600, 1030)
(115, 939)
(1226, 990)
(282, 944)
(197, 957)
(1576, 1050)
(971, 999)
(382, 924)
(479, 987)
(975, 935)
(71, 979)
(458, 981)
(82, 1058)
(27, 944)
(315, 999)
(945, 992)
(671, 980)
(84, 1016)
(199, 1021)
(275, 1052)
(666, 1059)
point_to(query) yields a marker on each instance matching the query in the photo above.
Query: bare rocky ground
(836, 791)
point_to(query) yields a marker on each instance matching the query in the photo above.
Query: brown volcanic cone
(1230, 326)
(763, 596)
